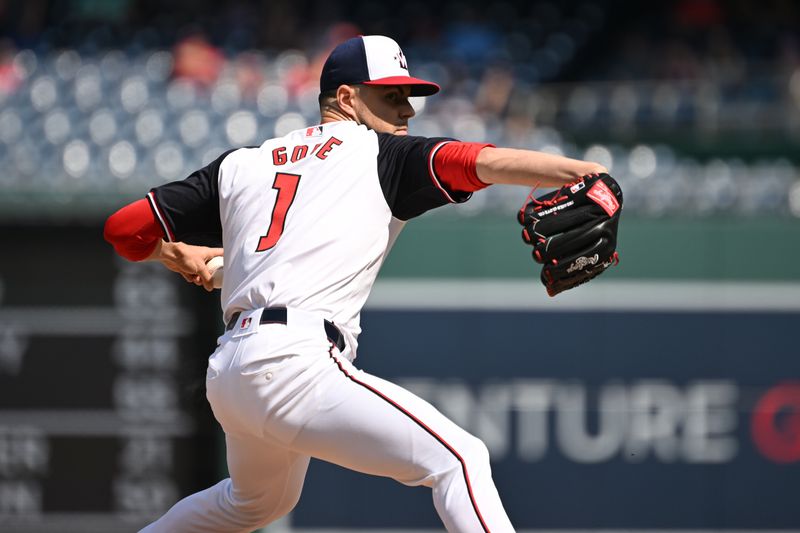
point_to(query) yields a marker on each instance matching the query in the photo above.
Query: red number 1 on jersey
(286, 185)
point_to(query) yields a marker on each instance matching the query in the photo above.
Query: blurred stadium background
(674, 406)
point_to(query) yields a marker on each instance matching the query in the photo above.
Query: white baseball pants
(283, 395)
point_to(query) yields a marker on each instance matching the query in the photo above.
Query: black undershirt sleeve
(190, 208)
(407, 176)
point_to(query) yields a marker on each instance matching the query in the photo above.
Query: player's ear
(345, 99)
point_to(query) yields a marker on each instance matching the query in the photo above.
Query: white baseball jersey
(306, 220)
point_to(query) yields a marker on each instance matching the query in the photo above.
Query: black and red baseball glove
(573, 231)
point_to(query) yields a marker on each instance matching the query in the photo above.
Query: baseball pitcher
(306, 221)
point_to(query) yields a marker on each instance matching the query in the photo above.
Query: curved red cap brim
(418, 87)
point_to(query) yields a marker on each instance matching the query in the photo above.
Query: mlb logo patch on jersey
(314, 131)
(247, 323)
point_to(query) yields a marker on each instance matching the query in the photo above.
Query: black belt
(278, 315)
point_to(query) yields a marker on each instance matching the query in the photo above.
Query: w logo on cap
(401, 59)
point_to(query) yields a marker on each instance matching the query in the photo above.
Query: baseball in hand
(216, 266)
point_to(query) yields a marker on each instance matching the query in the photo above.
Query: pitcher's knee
(469, 454)
(256, 512)
(475, 454)
(284, 507)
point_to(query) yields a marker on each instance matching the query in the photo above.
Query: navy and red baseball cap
(371, 60)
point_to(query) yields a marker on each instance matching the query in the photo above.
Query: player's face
(385, 109)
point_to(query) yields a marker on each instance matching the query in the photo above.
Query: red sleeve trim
(168, 233)
(133, 231)
(453, 163)
(432, 171)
